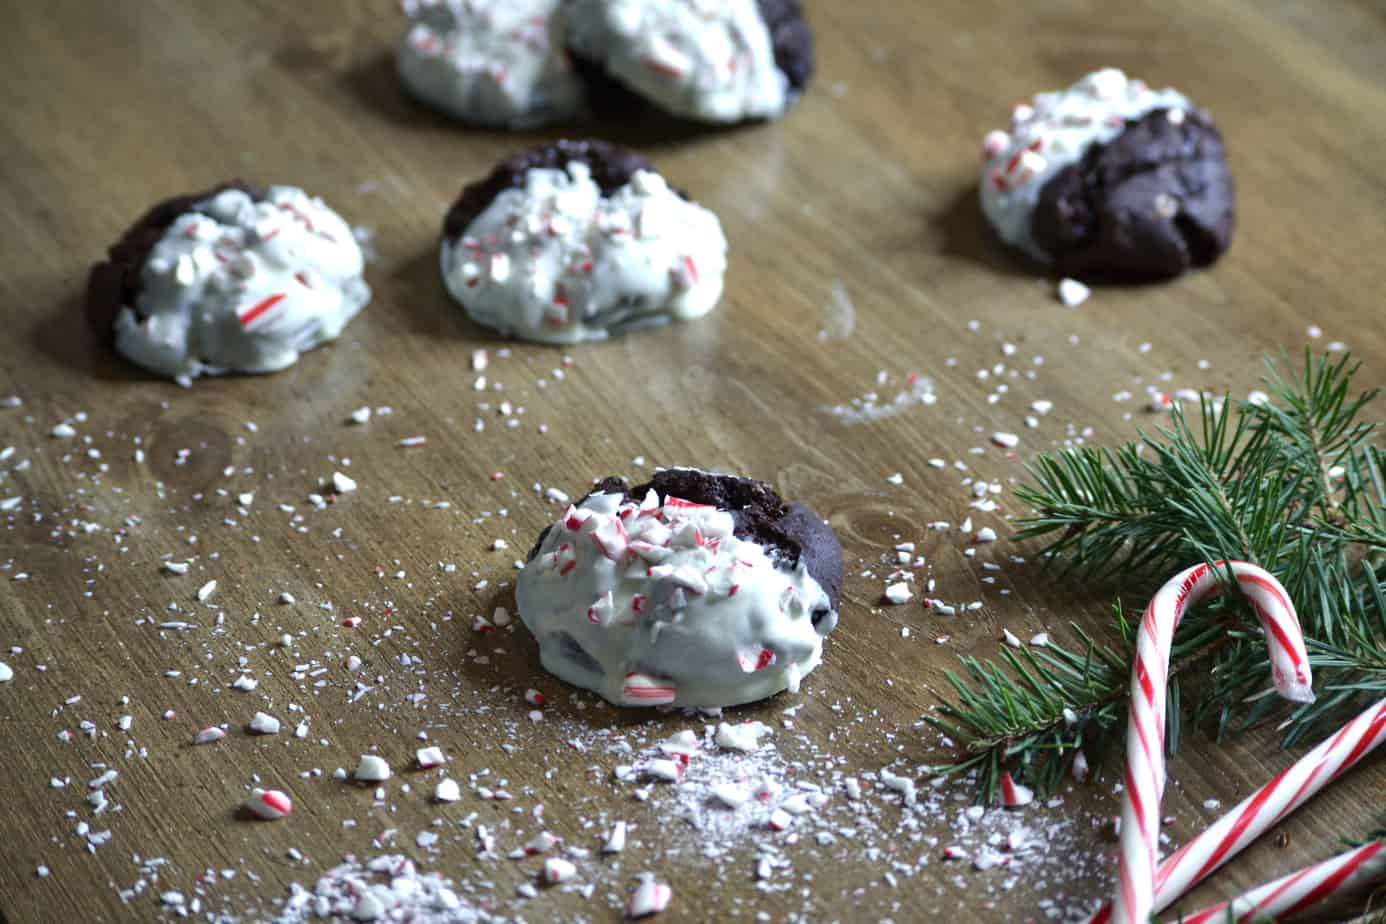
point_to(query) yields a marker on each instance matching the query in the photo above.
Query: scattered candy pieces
(208, 736)
(264, 724)
(541, 843)
(642, 689)
(1014, 795)
(668, 771)
(1073, 293)
(342, 484)
(898, 593)
(430, 757)
(650, 897)
(615, 840)
(372, 769)
(901, 784)
(269, 804)
(447, 791)
(744, 736)
(557, 870)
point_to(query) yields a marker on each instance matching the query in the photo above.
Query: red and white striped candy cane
(1145, 733)
(1266, 808)
(1299, 891)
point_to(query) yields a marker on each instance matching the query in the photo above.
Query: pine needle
(1293, 483)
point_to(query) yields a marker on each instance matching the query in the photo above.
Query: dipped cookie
(490, 62)
(693, 589)
(580, 240)
(718, 61)
(1110, 178)
(234, 279)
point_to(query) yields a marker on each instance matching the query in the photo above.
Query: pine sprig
(1039, 707)
(1293, 483)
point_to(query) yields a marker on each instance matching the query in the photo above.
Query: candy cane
(1145, 734)
(1299, 891)
(1266, 807)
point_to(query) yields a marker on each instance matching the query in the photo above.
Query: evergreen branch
(1379, 834)
(1293, 483)
(1351, 671)
(1318, 421)
(1040, 706)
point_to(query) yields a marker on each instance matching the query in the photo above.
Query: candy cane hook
(1145, 734)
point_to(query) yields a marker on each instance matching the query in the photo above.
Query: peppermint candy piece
(649, 898)
(644, 690)
(269, 804)
(372, 769)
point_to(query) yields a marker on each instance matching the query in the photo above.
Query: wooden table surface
(869, 184)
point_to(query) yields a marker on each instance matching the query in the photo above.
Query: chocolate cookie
(738, 60)
(579, 240)
(115, 282)
(1154, 202)
(490, 63)
(789, 532)
(234, 279)
(610, 166)
(692, 589)
(791, 38)
(1111, 179)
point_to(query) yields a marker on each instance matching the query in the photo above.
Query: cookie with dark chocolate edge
(1110, 178)
(790, 36)
(789, 531)
(792, 39)
(612, 167)
(115, 282)
(631, 76)
(1154, 202)
(608, 99)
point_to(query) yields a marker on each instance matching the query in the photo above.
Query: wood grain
(105, 108)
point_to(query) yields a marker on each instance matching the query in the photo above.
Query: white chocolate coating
(656, 602)
(711, 60)
(558, 262)
(1049, 134)
(490, 62)
(245, 287)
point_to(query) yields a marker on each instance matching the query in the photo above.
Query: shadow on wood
(428, 307)
(64, 337)
(966, 235)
